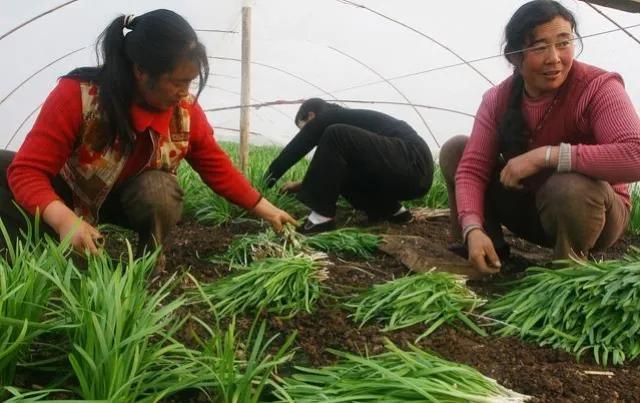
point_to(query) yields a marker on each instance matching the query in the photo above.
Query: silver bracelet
(469, 228)
(564, 157)
(547, 157)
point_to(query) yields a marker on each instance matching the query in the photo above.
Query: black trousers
(149, 204)
(373, 172)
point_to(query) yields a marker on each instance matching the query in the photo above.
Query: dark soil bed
(547, 374)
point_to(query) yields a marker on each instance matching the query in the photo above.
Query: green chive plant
(25, 290)
(121, 335)
(210, 209)
(18, 395)
(432, 299)
(200, 202)
(395, 376)
(582, 307)
(240, 371)
(236, 370)
(437, 196)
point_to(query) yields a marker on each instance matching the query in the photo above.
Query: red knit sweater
(604, 110)
(52, 138)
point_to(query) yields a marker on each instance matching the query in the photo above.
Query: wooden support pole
(245, 89)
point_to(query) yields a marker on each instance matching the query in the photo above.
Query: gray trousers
(149, 204)
(572, 213)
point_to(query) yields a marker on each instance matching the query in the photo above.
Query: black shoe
(310, 228)
(403, 218)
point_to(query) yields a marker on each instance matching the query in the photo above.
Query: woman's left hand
(521, 167)
(291, 187)
(276, 217)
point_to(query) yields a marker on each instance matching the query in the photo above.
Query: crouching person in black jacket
(372, 159)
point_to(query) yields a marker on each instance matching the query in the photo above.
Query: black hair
(315, 105)
(518, 34)
(157, 41)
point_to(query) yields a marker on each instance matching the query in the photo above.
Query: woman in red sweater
(108, 140)
(552, 150)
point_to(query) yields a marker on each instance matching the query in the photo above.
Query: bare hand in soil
(482, 254)
(84, 237)
(291, 187)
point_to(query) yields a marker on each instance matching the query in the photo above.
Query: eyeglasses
(542, 49)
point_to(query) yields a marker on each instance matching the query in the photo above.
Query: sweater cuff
(468, 223)
(470, 219)
(40, 204)
(260, 197)
(467, 230)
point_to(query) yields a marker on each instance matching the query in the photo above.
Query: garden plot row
(119, 338)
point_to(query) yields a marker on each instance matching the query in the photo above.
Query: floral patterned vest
(91, 174)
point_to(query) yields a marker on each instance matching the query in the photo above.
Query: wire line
(347, 101)
(35, 18)
(597, 10)
(442, 45)
(394, 87)
(448, 66)
(37, 72)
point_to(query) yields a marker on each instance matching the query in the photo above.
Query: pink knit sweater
(604, 109)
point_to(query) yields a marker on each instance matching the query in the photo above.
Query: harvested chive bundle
(394, 376)
(280, 285)
(345, 240)
(585, 306)
(431, 298)
(251, 247)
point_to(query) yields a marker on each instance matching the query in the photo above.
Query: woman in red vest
(108, 140)
(552, 150)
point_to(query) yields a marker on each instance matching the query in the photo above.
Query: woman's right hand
(64, 221)
(83, 235)
(482, 254)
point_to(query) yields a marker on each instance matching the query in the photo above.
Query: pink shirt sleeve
(605, 109)
(477, 163)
